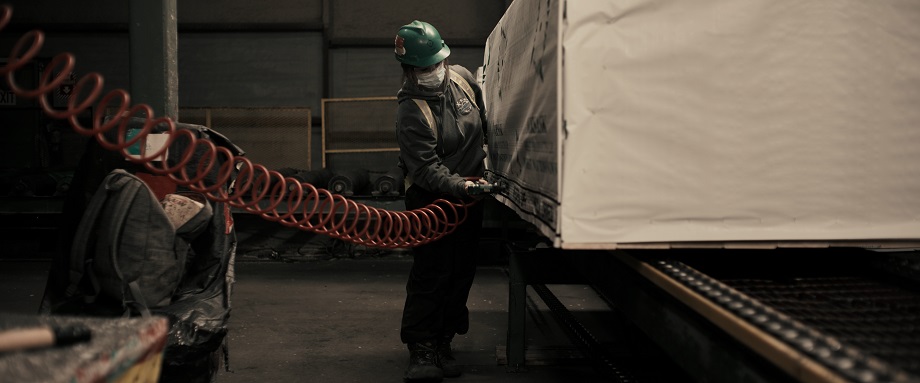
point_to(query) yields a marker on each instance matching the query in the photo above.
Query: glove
(480, 188)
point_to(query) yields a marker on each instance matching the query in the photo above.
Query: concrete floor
(307, 308)
(337, 320)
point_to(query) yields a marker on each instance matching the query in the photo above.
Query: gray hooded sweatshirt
(440, 165)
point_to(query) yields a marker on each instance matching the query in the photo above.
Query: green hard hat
(419, 44)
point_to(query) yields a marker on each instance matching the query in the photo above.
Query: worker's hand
(477, 189)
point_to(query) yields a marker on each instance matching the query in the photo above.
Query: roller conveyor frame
(801, 351)
(681, 309)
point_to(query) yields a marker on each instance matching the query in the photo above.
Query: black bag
(129, 249)
(199, 307)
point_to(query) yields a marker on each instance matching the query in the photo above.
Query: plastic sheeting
(714, 121)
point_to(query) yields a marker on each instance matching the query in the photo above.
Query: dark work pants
(441, 276)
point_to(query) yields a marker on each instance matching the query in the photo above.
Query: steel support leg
(517, 311)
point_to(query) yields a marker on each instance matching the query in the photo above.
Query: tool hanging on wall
(256, 189)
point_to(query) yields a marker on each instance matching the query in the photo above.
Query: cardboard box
(754, 123)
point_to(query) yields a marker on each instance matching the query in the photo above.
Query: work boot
(446, 359)
(423, 363)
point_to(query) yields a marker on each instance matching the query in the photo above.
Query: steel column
(517, 308)
(154, 62)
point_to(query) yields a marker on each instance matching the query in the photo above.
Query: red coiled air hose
(307, 207)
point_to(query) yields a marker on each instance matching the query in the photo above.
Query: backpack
(131, 248)
(199, 308)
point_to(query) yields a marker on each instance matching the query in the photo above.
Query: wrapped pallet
(726, 123)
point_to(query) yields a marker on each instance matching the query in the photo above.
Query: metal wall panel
(375, 22)
(207, 14)
(244, 14)
(359, 133)
(105, 53)
(250, 69)
(374, 72)
(215, 69)
(275, 137)
(355, 124)
(32, 139)
(97, 14)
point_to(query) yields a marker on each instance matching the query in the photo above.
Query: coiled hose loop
(256, 189)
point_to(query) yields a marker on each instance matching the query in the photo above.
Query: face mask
(432, 79)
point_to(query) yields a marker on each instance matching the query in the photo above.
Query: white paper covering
(708, 121)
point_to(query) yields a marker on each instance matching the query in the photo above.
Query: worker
(440, 125)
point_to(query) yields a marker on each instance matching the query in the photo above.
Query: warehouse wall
(240, 53)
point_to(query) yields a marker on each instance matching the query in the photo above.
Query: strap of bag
(137, 300)
(456, 78)
(121, 181)
(128, 187)
(78, 261)
(426, 111)
(461, 82)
